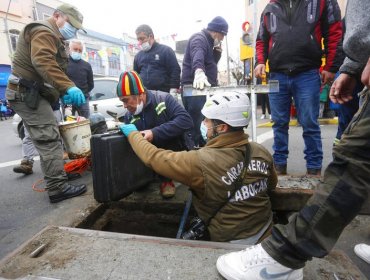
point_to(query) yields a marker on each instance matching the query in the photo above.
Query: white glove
(112, 124)
(173, 91)
(200, 79)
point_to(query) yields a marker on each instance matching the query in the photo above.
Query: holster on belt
(31, 97)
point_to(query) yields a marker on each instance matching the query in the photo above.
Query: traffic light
(246, 48)
(247, 33)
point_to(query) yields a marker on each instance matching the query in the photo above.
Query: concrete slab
(84, 254)
(292, 193)
(72, 253)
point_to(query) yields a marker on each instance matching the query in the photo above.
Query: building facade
(108, 56)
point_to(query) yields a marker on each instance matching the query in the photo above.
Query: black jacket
(290, 35)
(167, 119)
(80, 72)
(158, 68)
(199, 53)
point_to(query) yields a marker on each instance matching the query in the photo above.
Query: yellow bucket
(76, 137)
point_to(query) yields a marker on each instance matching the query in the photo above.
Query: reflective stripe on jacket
(167, 119)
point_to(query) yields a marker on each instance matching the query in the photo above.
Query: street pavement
(24, 212)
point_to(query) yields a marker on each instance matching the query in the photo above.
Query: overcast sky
(166, 17)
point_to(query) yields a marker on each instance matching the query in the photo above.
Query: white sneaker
(263, 117)
(363, 251)
(254, 263)
(270, 117)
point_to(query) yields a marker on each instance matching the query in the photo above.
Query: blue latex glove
(67, 99)
(76, 95)
(127, 128)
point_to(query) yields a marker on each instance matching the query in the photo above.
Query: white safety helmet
(232, 108)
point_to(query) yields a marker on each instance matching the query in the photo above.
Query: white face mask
(146, 46)
(217, 42)
(139, 108)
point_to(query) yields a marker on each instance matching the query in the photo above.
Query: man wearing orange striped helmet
(159, 117)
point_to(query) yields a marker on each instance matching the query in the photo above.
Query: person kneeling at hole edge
(230, 178)
(159, 117)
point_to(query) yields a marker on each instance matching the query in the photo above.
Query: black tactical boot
(25, 167)
(73, 176)
(67, 191)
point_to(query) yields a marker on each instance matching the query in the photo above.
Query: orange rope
(74, 166)
(36, 184)
(78, 165)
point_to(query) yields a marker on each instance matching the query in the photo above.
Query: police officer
(230, 191)
(38, 79)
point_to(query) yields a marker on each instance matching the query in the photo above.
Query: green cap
(74, 15)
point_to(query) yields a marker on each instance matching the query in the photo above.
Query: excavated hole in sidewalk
(144, 214)
(151, 219)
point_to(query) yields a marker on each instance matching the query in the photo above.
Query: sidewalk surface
(73, 253)
(85, 254)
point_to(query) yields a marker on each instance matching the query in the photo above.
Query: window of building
(250, 2)
(95, 61)
(13, 37)
(114, 62)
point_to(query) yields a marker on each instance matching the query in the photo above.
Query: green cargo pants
(314, 231)
(44, 132)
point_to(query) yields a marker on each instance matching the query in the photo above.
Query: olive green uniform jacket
(210, 173)
(41, 56)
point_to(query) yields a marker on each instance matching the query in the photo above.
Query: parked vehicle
(105, 97)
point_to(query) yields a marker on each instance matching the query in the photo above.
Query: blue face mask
(76, 55)
(68, 31)
(203, 131)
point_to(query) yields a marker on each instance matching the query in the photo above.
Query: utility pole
(36, 15)
(7, 29)
(227, 62)
(254, 81)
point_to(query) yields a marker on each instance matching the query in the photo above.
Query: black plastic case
(116, 169)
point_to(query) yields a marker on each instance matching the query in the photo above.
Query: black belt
(18, 87)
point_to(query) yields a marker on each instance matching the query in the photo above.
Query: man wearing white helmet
(233, 203)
